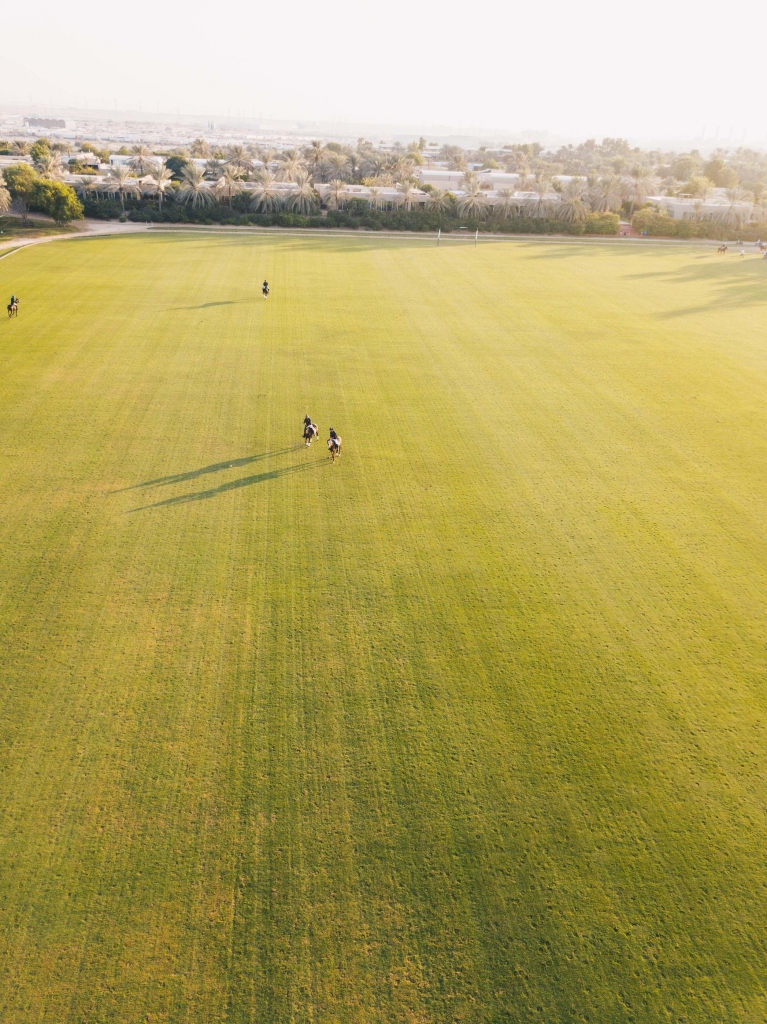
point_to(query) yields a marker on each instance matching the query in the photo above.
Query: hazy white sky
(653, 69)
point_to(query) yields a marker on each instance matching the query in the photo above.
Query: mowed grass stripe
(467, 727)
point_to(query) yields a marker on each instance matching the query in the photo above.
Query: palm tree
(406, 196)
(122, 182)
(214, 169)
(83, 188)
(5, 196)
(160, 182)
(639, 181)
(573, 206)
(266, 197)
(303, 198)
(20, 147)
(374, 163)
(438, 200)
(469, 180)
(291, 166)
(540, 203)
(738, 209)
(49, 166)
(141, 160)
(336, 194)
(337, 164)
(508, 203)
(402, 168)
(228, 185)
(374, 197)
(200, 149)
(194, 188)
(605, 195)
(473, 203)
(238, 160)
(315, 154)
(354, 161)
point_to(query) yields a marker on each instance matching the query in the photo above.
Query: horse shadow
(216, 467)
(233, 485)
(208, 305)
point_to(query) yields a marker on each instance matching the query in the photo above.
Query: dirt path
(93, 228)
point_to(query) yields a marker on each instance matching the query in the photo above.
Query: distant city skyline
(137, 123)
(570, 73)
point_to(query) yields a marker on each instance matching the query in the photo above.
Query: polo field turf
(470, 726)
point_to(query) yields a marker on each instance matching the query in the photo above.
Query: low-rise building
(383, 196)
(713, 207)
(453, 181)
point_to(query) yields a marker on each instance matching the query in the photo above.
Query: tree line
(582, 187)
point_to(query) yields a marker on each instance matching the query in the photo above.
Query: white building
(116, 159)
(713, 207)
(453, 181)
(384, 196)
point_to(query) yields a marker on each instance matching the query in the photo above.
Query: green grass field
(469, 727)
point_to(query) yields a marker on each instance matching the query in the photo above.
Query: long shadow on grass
(732, 284)
(192, 474)
(207, 305)
(234, 485)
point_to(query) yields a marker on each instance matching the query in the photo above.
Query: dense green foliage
(40, 150)
(602, 224)
(57, 200)
(358, 216)
(176, 165)
(469, 727)
(35, 193)
(20, 180)
(717, 171)
(658, 224)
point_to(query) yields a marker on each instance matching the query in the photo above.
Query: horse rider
(265, 289)
(307, 420)
(14, 300)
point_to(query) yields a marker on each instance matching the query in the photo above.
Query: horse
(13, 309)
(311, 430)
(334, 447)
(722, 248)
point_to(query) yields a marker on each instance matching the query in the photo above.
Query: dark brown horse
(334, 447)
(13, 309)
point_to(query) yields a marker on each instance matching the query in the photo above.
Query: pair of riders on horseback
(311, 431)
